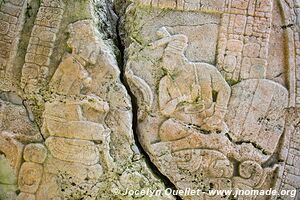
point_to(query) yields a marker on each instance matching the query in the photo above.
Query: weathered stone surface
(196, 115)
(16, 119)
(12, 150)
(81, 171)
(65, 119)
(73, 150)
(74, 116)
(8, 179)
(35, 153)
(25, 196)
(30, 177)
(256, 113)
(187, 94)
(43, 35)
(12, 14)
(16, 129)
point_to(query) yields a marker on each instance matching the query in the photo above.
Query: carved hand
(194, 108)
(214, 123)
(96, 103)
(184, 98)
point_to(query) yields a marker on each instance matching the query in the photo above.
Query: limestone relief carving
(244, 40)
(16, 130)
(263, 124)
(111, 99)
(66, 117)
(244, 33)
(75, 160)
(186, 5)
(145, 90)
(200, 131)
(73, 121)
(189, 102)
(8, 182)
(11, 24)
(37, 60)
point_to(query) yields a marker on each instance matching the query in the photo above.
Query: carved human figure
(74, 119)
(80, 115)
(74, 115)
(190, 93)
(69, 118)
(193, 97)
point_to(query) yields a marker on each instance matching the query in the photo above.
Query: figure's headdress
(178, 44)
(175, 43)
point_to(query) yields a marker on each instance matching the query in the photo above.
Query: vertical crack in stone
(121, 63)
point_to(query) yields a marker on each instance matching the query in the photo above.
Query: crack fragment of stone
(121, 65)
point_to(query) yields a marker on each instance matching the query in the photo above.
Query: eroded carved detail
(12, 150)
(11, 23)
(30, 177)
(256, 113)
(37, 60)
(36, 153)
(244, 39)
(244, 33)
(186, 91)
(74, 121)
(209, 134)
(198, 131)
(187, 5)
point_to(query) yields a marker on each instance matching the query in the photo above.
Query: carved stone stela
(66, 118)
(101, 97)
(215, 117)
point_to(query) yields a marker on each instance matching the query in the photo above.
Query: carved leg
(172, 130)
(221, 143)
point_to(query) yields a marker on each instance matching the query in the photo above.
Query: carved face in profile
(85, 78)
(70, 78)
(83, 41)
(173, 58)
(169, 61)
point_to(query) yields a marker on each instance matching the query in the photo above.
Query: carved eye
(167, 56)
